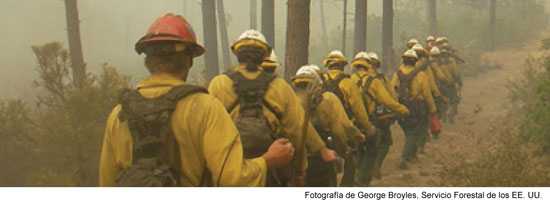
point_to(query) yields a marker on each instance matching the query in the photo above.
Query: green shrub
(66, 125)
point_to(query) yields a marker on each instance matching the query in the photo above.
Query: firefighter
(411, 43)
(339, 83)
(414, 91)
(430, 42)
(443, 79)
(381, 106)
(423, 64)
(265, 107)
(330, 120)
(271, 64)
(449, 63)
(210, 150)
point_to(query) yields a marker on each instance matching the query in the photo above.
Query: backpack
(155, 156)
(255, 132)
(333, 86)
(379, 109)
(417, 108)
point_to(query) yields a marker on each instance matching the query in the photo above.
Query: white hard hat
(336, 54)
(413, 41)
(270, 63)
(362, 55)
(251, 37)
(435, 51)
(442, 39)
(374, 56)
(418, 47)
(308, 70)
(252, 34)
(410, 53)
(430, 38)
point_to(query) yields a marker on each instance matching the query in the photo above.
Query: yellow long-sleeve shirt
(426, 67)
(352, 95)
(381, 95)
(420, 86)
(441, 74)
(204, 131)
(282, 98)
(333, 118)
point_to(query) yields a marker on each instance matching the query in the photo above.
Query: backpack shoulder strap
(405, 81)
(243, 86)
(180, 92)
(367, 84)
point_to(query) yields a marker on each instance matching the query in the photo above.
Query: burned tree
(432, 16)
(360, 25)
(75, 45)
(210, 38)
(253, 14)
(224, 38)
(297, 36)
(268, 21)
(345, 26)
(387, 35)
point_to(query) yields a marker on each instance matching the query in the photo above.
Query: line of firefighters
(253, 128)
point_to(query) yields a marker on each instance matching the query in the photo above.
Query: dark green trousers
(320, 173)
(367, 163)
(412, 135)
(383, 147)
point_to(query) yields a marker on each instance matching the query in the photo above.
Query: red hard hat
(173, 28)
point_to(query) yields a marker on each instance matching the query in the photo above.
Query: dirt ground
(484, 109)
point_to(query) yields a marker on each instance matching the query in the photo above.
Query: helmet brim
(196, 49)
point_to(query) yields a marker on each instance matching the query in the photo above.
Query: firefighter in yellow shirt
(200, 145)
(423, 64)
(328, 116)
(349, 93)
(379, 103)
(271, 63)
(450, 62)
(414, 91)
(265, 107)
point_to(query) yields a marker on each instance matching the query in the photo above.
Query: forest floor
(484, 109)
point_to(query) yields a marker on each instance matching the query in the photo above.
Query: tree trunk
(268, 21)
(324, 33)
(75, 45)
(387, 35)
(345, 27)
(254, 14)
(432, 16)
(360, 25)
(210, 38)
(224, 38)
(297, 36)
(492, 24)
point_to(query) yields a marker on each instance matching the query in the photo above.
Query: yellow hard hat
(333, 57)
(251, 38)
